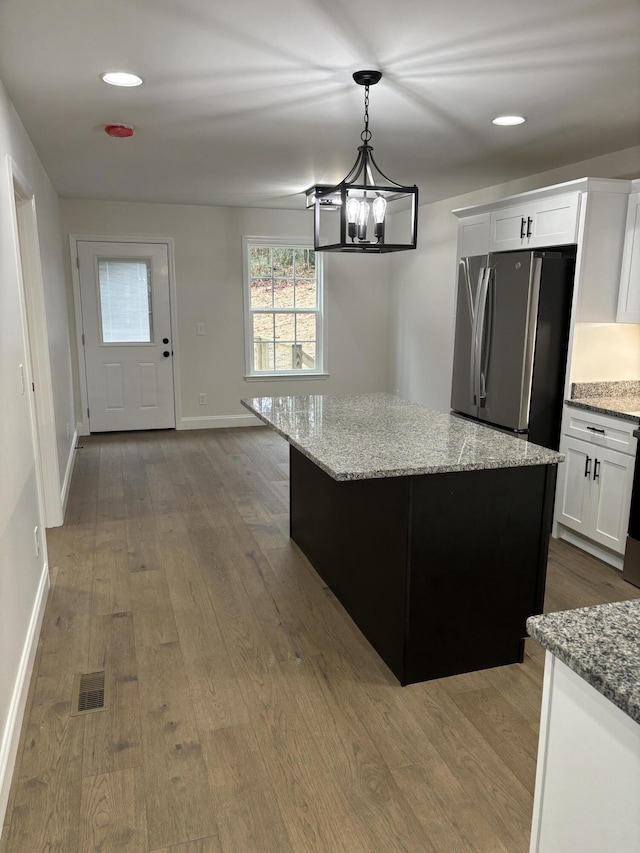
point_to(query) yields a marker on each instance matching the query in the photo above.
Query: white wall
(606, 351)
(208, 265)
(423, 285)
(23, 576)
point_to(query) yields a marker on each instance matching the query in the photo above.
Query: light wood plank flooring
(247, 712)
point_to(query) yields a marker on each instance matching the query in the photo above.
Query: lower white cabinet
(595, 481)
(596, 493)
(588, 774)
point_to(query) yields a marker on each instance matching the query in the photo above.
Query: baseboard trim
(68, 474)
(11, 736)
(218, 422)
(590, 547)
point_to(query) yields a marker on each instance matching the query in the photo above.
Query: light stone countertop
(619, 399)
(625, 408)
(601, 644)
(369, 436)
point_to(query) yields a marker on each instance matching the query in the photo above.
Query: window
(283, 308)
(125, 301)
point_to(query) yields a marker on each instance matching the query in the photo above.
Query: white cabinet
(473, 235)
(546, 222)
(629, 298)
(589, 212)
(594, 485)
(597, 493)
(588, 773)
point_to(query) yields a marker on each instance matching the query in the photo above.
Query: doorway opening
(38, 368)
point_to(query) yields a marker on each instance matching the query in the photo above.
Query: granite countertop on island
(601, 644)
(620, 399)
(369, 436)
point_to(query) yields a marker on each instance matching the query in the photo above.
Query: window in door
(283, 308)
(125, 301)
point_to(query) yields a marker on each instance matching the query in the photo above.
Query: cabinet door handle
(523, 225)
(596, 474)
(529, 224)
(595, 429)
(587, 466)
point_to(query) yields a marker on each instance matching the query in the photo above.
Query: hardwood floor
(247, 712)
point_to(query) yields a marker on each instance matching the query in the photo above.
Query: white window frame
(321, 326)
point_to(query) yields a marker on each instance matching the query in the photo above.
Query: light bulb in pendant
(363, 218)
(379, 210)
(353, 207)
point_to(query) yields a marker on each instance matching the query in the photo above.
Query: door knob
(165, 340)
(166, 353)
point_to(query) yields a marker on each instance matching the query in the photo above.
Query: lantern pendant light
(366, 211)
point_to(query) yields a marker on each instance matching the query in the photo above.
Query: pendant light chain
(365, 136)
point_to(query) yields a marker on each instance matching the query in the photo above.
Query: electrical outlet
(199, 328)
(36, 540)
(202, 399)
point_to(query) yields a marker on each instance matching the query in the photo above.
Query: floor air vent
(89, 692)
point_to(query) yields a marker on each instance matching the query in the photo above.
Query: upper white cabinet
(588, 213)
(473, 235)
(547, 222)
(629, 299)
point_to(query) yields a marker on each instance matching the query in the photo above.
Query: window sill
(274, 377)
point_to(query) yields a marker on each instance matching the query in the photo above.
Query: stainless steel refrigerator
(511, 339)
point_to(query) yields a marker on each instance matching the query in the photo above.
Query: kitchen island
(431, 530)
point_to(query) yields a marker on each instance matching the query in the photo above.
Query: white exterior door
(126, 322)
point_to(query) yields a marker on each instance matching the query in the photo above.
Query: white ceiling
(249, 102)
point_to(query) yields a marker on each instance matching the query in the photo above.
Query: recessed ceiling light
(121, 78)
(506, 121)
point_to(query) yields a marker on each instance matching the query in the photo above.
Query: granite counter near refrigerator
(432, 531)
(619, 399)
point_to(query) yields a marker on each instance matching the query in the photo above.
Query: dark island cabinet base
(439, 571)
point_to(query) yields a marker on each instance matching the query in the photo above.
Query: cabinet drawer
(614, 433)
(549, 222)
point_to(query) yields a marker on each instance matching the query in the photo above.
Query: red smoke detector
(120, 131)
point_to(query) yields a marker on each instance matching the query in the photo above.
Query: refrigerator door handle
(485, 338)
(473, 310)
(464, 263)
(481, 315)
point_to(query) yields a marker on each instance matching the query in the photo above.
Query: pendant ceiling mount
(367, 78)
(342, 212)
